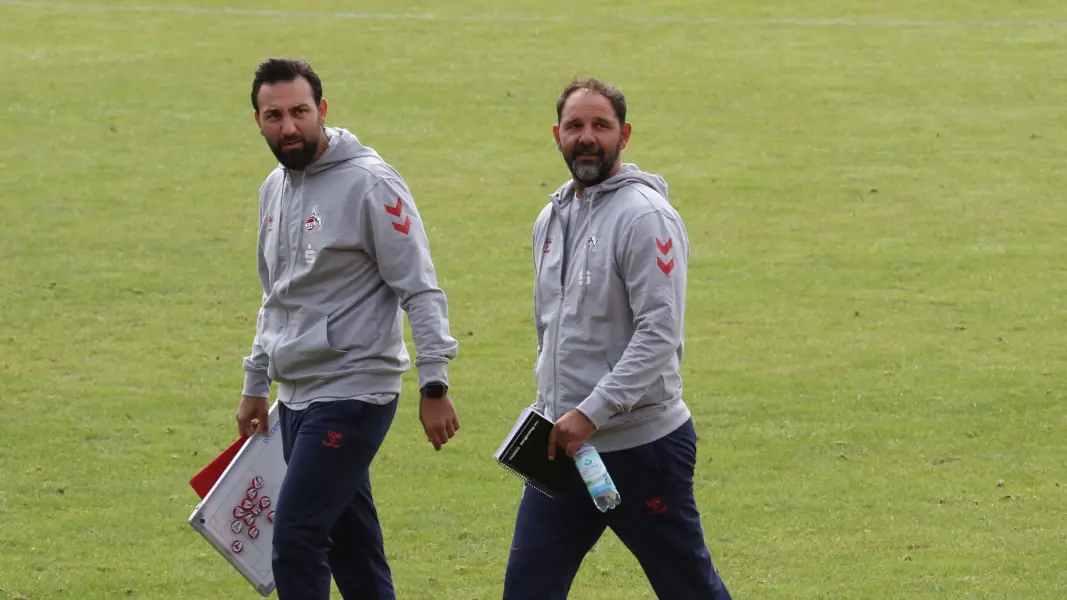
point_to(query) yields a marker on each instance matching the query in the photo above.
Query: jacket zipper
(561, 294)
(289, 247)
(577, 220)
(281, 249)
(559, 309)
(293, 249)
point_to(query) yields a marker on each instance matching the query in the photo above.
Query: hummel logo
(664, 249)
(396, 210)
(334, 436)
(655, 506)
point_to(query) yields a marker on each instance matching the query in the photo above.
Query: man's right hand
(253, 415)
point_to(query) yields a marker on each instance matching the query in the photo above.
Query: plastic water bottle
(596, 478)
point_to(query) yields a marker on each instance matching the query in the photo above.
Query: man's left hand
(439, 420)
(569, 433)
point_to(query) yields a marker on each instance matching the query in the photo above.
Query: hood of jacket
(628, 174)
(343, 147)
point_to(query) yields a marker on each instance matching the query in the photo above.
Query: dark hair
(592, 84)
(274, 70)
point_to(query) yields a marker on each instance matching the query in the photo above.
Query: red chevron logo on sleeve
(664, 248)
(396, 210)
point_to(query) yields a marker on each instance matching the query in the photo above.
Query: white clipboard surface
(237, 515)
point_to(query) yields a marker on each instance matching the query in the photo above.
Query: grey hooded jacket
(609, 302)
(342, 254)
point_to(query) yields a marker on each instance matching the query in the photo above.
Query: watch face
(435, 390)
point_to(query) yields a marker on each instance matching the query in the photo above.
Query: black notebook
(524, 452)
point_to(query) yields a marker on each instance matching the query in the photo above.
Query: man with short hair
(611, 257)
(342, 255)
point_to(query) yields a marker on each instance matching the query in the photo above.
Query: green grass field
(875, 331)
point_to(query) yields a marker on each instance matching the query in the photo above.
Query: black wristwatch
(435, 389)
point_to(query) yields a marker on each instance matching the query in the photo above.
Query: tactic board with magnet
(237, 515)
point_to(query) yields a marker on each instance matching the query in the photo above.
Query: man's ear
(555, 134)
(626, 129)
(259, 123)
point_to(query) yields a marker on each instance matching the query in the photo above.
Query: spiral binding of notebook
(524, 453)
(530, 482)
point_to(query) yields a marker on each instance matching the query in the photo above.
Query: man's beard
(299, 158)
(591, 173)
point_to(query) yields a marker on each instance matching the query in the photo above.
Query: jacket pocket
(305, 352)
(358, 331)
(654, 394)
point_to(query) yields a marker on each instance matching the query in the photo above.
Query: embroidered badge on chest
(314, 222)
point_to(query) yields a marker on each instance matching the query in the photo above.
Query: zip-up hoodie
(342, 255)
(609, 302)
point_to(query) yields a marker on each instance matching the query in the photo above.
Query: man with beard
(610, 257)
(342, 254)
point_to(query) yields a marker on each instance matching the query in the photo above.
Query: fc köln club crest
(314, 221)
